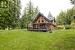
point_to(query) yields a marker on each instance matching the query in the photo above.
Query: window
(42, 20)
(39, 21)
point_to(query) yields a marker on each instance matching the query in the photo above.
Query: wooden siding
(41, 23)
(41, 20)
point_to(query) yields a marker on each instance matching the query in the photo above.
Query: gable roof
(40, 14)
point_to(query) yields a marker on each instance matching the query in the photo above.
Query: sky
(46, 6)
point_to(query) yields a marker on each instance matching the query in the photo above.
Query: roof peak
(40, 14)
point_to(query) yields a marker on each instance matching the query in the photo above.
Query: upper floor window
(42, 20)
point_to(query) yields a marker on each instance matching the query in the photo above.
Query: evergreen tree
(73, 1)
(29, 14)
(9, 12)
(66, 17)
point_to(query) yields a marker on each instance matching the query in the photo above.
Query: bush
(60, 27)
(73, 25)
(67, 27)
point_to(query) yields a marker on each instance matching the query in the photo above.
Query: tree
(29, 14)
(66, 17)
(9, 12)
(24, 20)
(36, 11)
(73, 1)
(4, 14)
(14, 10)
(61, 18)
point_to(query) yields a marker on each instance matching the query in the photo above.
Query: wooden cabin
(42, 23)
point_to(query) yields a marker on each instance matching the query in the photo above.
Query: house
(42, 23)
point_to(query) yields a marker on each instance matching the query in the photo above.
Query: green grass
(26, 40)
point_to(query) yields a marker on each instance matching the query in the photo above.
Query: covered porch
(40, 27)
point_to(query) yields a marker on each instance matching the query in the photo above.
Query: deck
(44, 30)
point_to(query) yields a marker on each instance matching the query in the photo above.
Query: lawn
(26, 40)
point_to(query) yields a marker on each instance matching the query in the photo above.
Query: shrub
(67, 27)
(73, 25)
(60, 27)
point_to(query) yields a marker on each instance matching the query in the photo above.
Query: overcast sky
(54, 6)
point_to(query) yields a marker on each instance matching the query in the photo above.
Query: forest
(10, 12)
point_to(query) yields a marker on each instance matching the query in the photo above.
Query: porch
(40, 27)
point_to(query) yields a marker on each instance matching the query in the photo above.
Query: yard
(26, 40)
